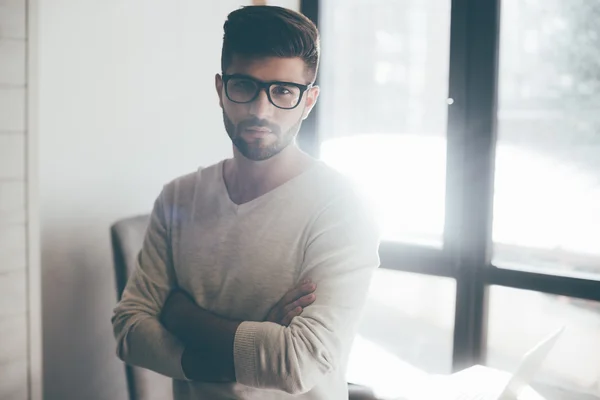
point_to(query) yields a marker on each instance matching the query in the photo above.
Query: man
(254, 271)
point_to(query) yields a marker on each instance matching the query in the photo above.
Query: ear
(312, 95)
(219, 88)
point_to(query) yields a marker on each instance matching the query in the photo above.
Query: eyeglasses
(245, 89)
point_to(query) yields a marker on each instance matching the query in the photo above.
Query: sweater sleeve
(340, 256)
(141, 338)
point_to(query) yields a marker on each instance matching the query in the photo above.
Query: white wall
(15, 363)
(126, 103)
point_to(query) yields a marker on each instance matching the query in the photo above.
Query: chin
(259, 150)
(259, 153)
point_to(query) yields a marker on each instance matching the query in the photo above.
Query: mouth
(257, 129)
(256, 133)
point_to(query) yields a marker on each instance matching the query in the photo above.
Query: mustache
(263, 123)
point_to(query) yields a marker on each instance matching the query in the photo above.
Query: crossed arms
(207, 336)
(160, 328)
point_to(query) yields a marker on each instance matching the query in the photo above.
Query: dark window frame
(471, 145)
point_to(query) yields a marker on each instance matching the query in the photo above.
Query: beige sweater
(238, 261)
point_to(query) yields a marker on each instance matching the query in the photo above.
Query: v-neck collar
(240, 208)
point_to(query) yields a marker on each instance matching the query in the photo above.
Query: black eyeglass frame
(266, 86)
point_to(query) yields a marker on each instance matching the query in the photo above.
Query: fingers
(292, 303)
(306, 285)
(303, 288)
(302, 302)
(306, 300)
(290, 315)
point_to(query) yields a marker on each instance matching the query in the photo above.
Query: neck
(247, 179)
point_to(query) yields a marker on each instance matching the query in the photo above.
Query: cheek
(285, 119)
(289, 118)
(235, 112)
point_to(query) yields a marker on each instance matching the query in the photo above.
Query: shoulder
(344, 226)
(333, 187)
(183, 187)
(178, 195)
(341, 201)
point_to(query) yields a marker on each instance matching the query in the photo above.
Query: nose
(261, 107)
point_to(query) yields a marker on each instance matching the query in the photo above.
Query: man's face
(258, 129)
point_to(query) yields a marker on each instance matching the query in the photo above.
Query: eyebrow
(259, 80)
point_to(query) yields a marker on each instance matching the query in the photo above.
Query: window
(474, 125)
(547, 188)
(388, 108)
(405, 332)
(518, 319)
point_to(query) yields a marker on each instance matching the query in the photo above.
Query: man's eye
(243, 85)
(281, 90)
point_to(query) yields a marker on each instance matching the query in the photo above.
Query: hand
(177, 301)
(292, 303)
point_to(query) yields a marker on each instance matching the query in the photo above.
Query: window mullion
(470, 160)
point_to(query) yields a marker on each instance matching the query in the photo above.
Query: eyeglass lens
(241, 90)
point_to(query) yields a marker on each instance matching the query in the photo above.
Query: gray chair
(127, 236)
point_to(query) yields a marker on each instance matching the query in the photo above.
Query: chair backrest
(127, 236)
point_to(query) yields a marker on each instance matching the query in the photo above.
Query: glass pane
(519, 319)
(384, 81)
(547, 189)
(406, 332)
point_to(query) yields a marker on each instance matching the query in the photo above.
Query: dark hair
(269, 31)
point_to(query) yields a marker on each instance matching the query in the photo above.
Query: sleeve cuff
(182, 372)
(244, 353)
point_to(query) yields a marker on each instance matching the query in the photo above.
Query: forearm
(141, 338)
(291, 359)
(208, 340)
(144, 342)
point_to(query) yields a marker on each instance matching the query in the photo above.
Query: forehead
(270, 68)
